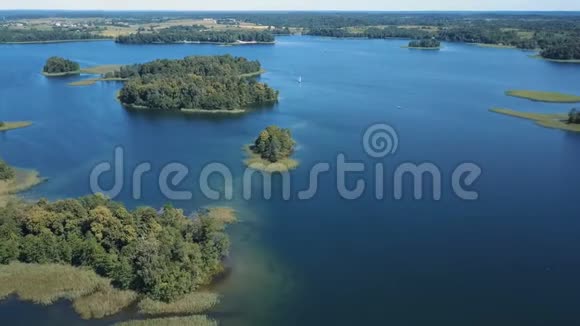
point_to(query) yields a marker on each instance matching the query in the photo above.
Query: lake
(511, 257)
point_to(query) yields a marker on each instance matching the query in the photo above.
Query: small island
(562, 121)
(197, 34)
(57, 66)
(539, 96)
(194, 84)
(425, 44)
(272, 150)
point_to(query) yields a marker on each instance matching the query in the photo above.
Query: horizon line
(294, 10)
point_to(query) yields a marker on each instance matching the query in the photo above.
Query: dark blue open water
(512, 257)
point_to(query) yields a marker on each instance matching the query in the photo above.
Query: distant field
(539, 96)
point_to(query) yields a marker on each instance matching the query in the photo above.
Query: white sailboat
(300, 80)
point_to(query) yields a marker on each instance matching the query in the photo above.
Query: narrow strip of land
(5, 126)
(548, 120)
(540, 96)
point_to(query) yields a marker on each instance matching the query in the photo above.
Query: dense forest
(6, 171)
(565, 50)
(198, 83)
(8, 35)
(425, 43)
(274, 144)
(162, 254)
(58, 65)
(574, 116)
(185, 34)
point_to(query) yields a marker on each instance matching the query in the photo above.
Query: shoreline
(60, 41)
(539, 57)
(421, 48)
(201, 43)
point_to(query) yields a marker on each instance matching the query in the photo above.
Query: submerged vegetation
(163, 255)
(538, 96)
(196, 34)
(194, 83)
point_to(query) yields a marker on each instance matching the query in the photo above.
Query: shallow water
(510, 257)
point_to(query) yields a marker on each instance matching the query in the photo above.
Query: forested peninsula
(197, 34)
(196, 83)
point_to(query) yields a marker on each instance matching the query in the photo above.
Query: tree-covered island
(197, 34)
(196, 83)
(425, 43)
(57, 66)
(272, 151)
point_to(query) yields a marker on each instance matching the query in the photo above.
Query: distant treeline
(554, 45)
(8, 35)
(195, 83)
(183, 34)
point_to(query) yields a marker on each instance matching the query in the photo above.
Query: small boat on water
(300, 80)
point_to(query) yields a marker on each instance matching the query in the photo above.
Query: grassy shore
(104, 302)
(539, 96)
(5, 126)
(175, 321)
(537, 56)
(46, 284)
(193, 303)
(256, 162)
(555, 121)
(23, 180)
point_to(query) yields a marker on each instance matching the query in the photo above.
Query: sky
(383, 5)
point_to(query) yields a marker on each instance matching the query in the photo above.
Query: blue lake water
(509, 258)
